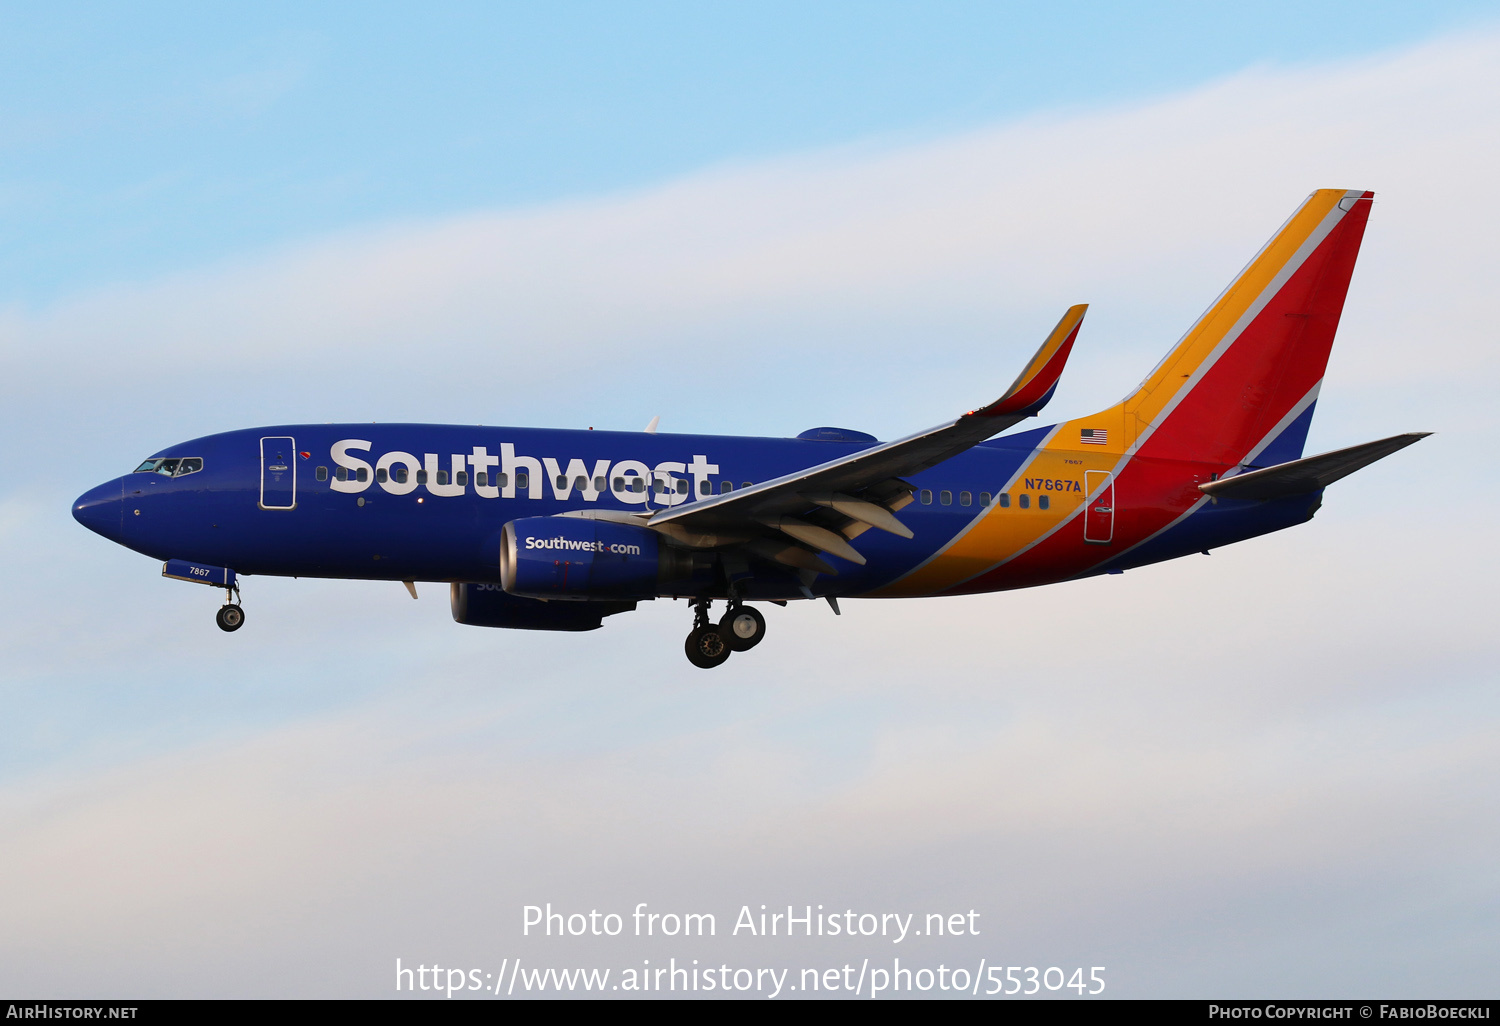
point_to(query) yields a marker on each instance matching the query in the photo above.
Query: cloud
(1097, 799)
(1259, 772)
(881, 285)
(843, 262)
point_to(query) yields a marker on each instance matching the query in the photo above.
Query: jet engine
(487, 605)
(584, 559)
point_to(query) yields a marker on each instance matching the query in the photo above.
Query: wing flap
(869, 514)
(815, 537)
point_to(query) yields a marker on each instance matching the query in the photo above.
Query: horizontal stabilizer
(1302, 476)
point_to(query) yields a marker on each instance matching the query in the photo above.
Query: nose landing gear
(230, 616)
(710, 644)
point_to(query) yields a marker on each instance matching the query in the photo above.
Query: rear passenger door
(1099, 513)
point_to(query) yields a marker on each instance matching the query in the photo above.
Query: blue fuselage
(429, 502)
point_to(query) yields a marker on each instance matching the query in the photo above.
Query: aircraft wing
(1308, 475)
(864, 489)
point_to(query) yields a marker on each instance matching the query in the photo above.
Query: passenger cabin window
(682, 487)
(562, 482)
(598, 484)
(1005, 500)
(362, 475)
(745, 484)
(421, 477)
(926, 496)
(381, 475)
(945, 497)
(342, 473)
(984, 498)
(442, 477)
(1025, 501)
(462, 477)
(522, 480)
(401, 475)
(581, 483)
(322, 474)
(725, 487)
(1043, 501)
(965, 498)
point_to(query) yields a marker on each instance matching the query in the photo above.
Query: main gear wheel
(743, 627)
(707, 647)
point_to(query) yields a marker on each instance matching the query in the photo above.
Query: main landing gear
(743, 627)
(710, 644)
(230, 616)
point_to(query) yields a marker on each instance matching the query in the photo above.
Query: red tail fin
(1248, 372)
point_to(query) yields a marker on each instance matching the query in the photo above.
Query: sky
(1270, 772)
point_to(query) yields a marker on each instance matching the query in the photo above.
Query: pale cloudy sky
(1269, 772)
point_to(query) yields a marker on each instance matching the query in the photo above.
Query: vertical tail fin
(1240, 385)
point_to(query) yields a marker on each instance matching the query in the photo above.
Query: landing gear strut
(230, 616)
(706, 644)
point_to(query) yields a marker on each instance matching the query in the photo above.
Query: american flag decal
(1093, 436)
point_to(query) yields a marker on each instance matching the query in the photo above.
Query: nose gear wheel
(230, 616)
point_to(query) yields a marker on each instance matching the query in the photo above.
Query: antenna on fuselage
(651, 427)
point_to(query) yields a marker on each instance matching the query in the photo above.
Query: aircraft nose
(102, 509)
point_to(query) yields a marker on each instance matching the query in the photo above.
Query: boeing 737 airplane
(555, 530)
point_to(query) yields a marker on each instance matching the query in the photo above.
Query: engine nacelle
(583, 559)
(488, 605)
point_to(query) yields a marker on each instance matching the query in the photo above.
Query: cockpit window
(171, 466)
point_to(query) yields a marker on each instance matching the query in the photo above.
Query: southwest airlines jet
(555, 530)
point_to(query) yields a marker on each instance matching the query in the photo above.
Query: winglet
(1038, 381)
